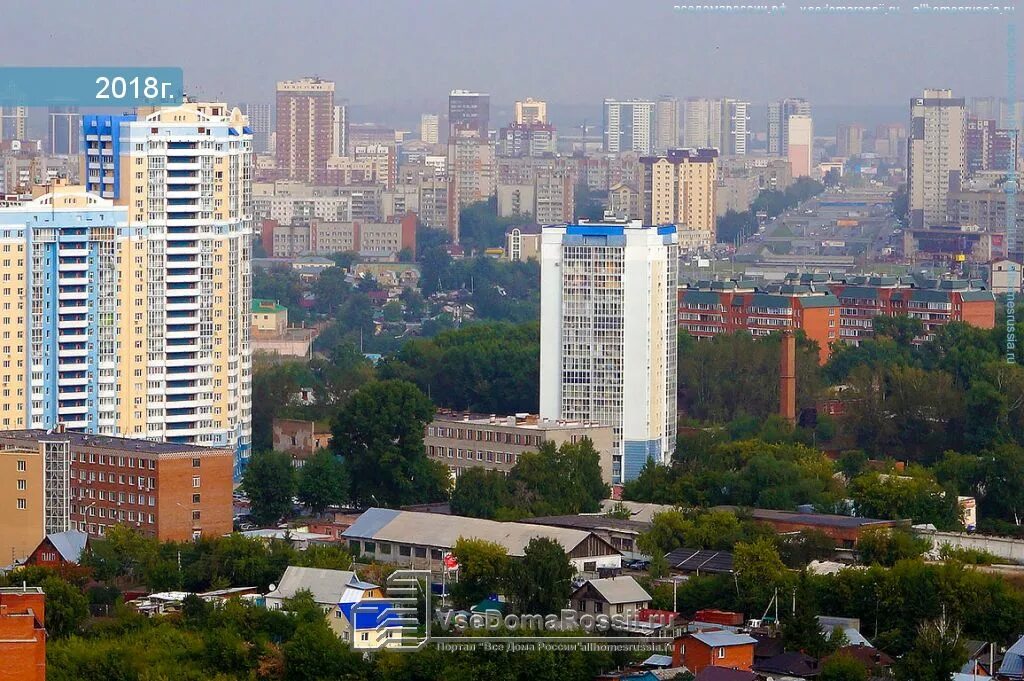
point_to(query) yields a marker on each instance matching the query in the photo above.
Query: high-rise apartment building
(849, 139)
(471, 173)
(138, 307)
(608, 335)
(800, 144)
(629, 125)
(679, 188)
(735, 132)
(429, 128)
(339, 122)
(22, 503)
(666, 118)
(305, 128)
(778, 122)
(13, 123)
(702, 124)
(936, 162)
(531, 111)
(65, 126)
(469, 111)
(259, 122)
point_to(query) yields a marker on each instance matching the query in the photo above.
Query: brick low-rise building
(300, 438)
(711, 308)
(166, 490)
(831, 309)
(22, 634)
(463, 441)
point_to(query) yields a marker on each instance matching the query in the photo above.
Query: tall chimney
(787, 378)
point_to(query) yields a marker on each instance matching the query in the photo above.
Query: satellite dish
(273, 587)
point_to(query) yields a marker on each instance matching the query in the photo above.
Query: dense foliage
(552, 481)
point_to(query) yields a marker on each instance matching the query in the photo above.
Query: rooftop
(817, 519)
(327, 586)
(441, 531)
(592, 522)
(520, 420)
(722, 639)
(79, 439)
(616, 590)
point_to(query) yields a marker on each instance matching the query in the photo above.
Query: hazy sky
(409, 53)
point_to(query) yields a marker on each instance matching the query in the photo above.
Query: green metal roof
(861, 292)
(975, 296)
(701, 297)
(929, 296)
(264, 306)
(827, 300)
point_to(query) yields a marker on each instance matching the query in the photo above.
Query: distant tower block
(787, 378)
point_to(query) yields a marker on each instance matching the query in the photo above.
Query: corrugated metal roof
(700, 560)
(721, 639)
(827, 300)
(860, 292)
(977, 296)
(700, 297)
(431, 529)
(327, 586)
(615, 590)
(1013, 661)
(69, 544)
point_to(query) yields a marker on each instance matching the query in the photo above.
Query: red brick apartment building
(167, 490)
(715, 307)
(829, 308)
(22, 634)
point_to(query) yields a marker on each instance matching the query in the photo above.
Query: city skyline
(424, 55)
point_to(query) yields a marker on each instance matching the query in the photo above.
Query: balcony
(72, 323)
(183, 194)
(181, 208)
(72, 352)
(183, 278)
(72, 267)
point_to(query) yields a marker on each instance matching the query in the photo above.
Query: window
(195, 515)
(196, 498)
(21, 466)
(22, 504)
(619, 608)
(195, 481)
(195, 463)
(721, 653)
(404, 551)
(369, 547)
(22, 485)
(421, 552)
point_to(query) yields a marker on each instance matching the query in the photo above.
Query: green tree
(915, 496)
(379, 435)
(842, 667)
(937, 653)
(480, 493)
(886, 547)
(483, 569)
(315, 654)
(541, 582)
(797, 550)
(759, 572)
(66, 607)
(668, 532)
(903, 329)
(1003, 476)
(322, 481)
(330, 290)
(269, 482)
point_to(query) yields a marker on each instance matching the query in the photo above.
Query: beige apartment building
(464, 441)
(21, 503)
(679, 188)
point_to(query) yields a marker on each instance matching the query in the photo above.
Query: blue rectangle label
(91, 86)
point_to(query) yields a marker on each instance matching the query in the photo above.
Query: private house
(611, 596)
(1012, 666)
(361, 610)
(327, 587)
(59, 549)
(714, 649)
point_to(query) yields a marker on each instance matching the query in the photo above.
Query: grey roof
(658, 661)
(700, 560)
(615, 590)
(124, 444)
(69, 544)
(592, 522)
(716, 673)
(439, 531)
(826, 300)
(721, 639)
(1013, 661)
(327, 586)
